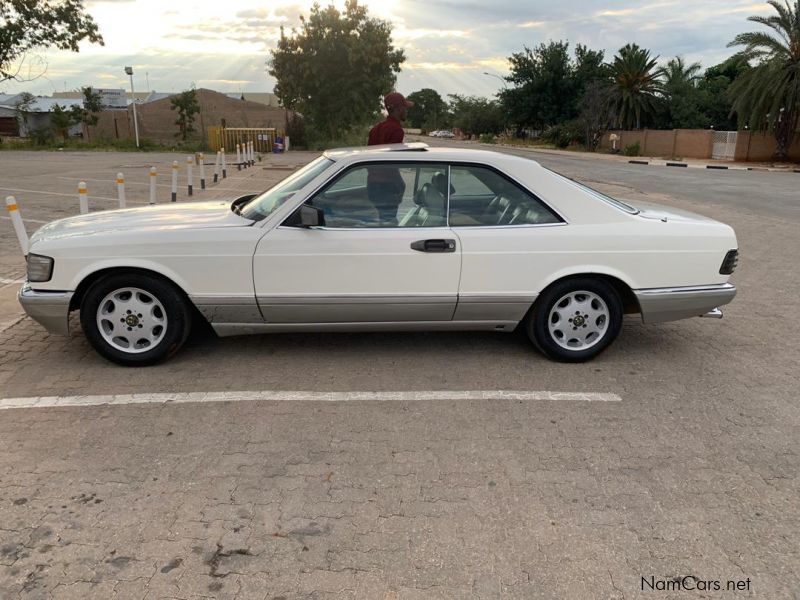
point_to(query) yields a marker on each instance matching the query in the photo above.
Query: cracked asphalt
(694, 473)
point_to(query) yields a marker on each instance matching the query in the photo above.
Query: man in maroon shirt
(385, 186)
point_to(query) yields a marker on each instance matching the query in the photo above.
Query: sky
(450, 45)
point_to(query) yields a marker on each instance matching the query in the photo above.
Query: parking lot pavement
(693, 472)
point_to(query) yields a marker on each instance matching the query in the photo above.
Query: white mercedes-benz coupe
(401, 237)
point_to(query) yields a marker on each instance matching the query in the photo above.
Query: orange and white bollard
(189, 175)
(174, 180)
(16, 221)
(202, 171)
(153, 177)
(121, 190)
(224, 168)
(83, 198)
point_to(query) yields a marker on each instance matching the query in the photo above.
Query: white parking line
(283, 396)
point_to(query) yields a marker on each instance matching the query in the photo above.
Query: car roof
(422, 151)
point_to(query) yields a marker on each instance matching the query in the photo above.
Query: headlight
(40, 268)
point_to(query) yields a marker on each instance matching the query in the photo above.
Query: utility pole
(129, 71)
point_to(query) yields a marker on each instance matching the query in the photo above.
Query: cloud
(449, 44)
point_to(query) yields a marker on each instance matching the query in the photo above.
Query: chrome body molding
(229, 329)
(492, 306)
(670, 304)
(228, 309)
(50, 309)
(361, 308)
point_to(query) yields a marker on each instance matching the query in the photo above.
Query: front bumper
(50, 309)
(670, 304)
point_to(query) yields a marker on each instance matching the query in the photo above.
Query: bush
(355, 137)
(41, 136)
(296, 131)
(632, 149)
(486, 138)
(563, 134)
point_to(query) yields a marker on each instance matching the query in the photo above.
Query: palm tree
(768, 95)
(678, 74)
(637, 82)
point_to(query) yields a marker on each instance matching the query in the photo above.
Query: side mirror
(311, 216)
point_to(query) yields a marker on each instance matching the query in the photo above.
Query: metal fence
(263, 138)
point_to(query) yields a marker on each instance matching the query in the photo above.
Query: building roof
(40, 104)
(9, 99)
(267, 98)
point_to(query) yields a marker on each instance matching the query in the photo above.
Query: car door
(382, 252)
(510, 241)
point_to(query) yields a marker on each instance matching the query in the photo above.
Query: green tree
(333, 47)
(475, 115)
(715, 99)
(429, 111)
(637, 82)
(27, 25)
(187, 105)
(682, 105)
(62, 118)
(548, 84)
(767, 96)
(87, 113)
(22, 108)
(543, 91)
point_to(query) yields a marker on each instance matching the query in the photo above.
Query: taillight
(730, 262)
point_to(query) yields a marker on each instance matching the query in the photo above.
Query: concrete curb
(655, 163)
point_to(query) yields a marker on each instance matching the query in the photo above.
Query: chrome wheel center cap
(132, 320)
(578, 321)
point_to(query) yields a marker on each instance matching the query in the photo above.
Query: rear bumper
(49, 309)
(670, 304)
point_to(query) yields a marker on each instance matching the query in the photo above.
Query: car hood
(194, 215)
(662, 213)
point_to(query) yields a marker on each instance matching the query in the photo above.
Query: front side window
(386, 194)
(268, 202)
(481, 197)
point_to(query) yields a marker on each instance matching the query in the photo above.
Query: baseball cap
(395, 99)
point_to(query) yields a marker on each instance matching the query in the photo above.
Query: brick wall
(699, 143)
(157, 119)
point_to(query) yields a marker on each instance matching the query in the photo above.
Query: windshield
(268, 202)
(607, 199)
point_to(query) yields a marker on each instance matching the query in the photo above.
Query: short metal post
(238, 157)
(83, 198)
(121, 190)
(174, 180)
(202, 172)
(153, 174)
(252, 154)
(216, 166)
(224, 168)
(16, 220)
(189, 175)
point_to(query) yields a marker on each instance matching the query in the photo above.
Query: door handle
(434, 245)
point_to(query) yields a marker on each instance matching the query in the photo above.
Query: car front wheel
(135, 319)
(576, 319)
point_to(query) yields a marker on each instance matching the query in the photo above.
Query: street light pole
(129, 71)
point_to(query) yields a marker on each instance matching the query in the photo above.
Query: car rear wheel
(576, 319)
(135, 319)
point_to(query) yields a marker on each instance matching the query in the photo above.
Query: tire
(134, 319)
(592, 304)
